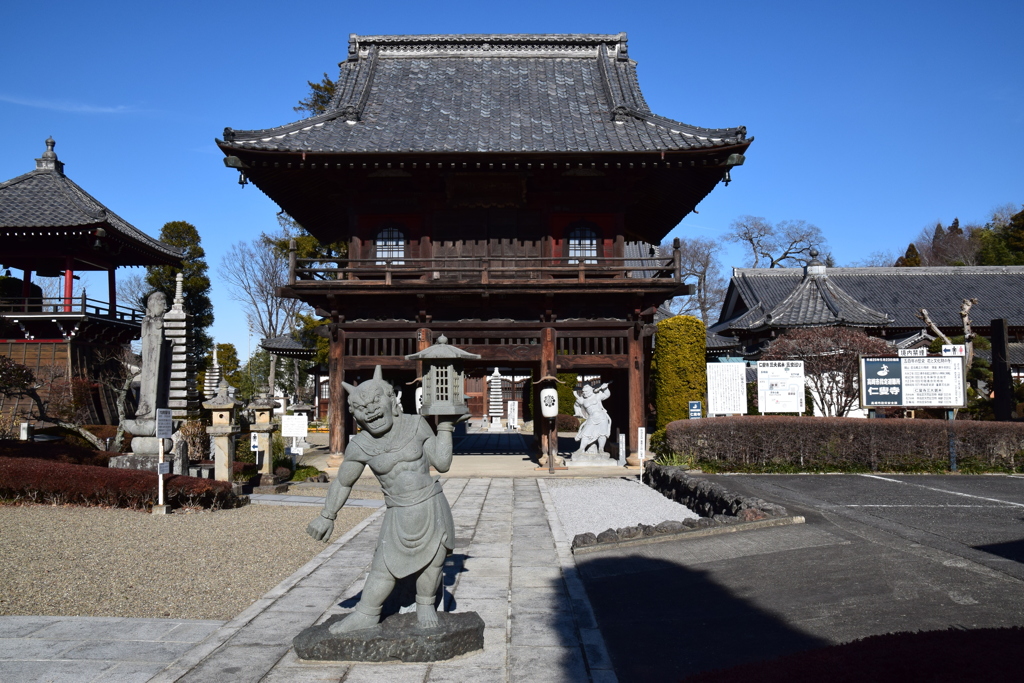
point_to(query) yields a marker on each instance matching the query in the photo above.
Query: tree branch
(923, 315)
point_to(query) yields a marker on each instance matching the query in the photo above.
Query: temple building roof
(45, 215)
(486, 93)
(762, 298)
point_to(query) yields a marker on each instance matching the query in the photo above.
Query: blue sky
(871, 119)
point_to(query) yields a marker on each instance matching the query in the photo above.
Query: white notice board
(780, 386)
(164, 423)
(727, 388)
(295, 425)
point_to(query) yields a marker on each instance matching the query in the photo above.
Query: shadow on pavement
(1011, 550)
(662, 621)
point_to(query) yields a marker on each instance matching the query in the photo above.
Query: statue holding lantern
(417, 532)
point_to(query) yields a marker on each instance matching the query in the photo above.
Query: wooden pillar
(635, 342)
(26, 288)
(69, 282)
(337, 406)
(549, 435)
(112, 292)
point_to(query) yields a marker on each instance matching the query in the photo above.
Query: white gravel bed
(593, 505)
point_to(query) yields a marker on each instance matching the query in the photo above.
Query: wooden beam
(594, 361)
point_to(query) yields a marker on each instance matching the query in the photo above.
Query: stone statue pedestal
(399, 637)
(584, 459)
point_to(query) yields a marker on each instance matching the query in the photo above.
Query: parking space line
(952, 493)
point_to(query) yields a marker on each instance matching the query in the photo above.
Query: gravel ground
(96, 562)
(597, 504)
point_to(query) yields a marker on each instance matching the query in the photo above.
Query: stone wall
(706, 498)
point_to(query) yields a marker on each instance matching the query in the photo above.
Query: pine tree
(911, 259)
(319, 97)
(195, 285)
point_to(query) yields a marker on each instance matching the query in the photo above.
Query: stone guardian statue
(597, 425)
(417, 532)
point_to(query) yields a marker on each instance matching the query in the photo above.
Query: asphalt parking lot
(878, 554)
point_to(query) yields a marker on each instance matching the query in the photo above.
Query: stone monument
(596, 427)
(416, 536)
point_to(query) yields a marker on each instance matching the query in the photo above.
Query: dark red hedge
(842, 444)
(44, 481)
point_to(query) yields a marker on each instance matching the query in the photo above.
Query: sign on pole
(780, 386)
(727, 388)
(295, 426)
(929, 382)
(641, 448)
(254, 441)
(164, 423)
(695, 410)
(954, 350)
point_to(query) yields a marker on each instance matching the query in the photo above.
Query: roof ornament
(349, 113)
(621, 114)
(814, 268)
(49, 161)
(621, 52)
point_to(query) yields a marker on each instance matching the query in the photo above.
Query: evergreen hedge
(841, 444)
(566, 397)
(678, 369)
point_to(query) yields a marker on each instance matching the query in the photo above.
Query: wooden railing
(79, 305)
(484, 270)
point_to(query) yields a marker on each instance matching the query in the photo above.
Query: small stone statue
(597, 426)
(418, 532)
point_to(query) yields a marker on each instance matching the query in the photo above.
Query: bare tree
(132, 290)
(831, 357)
(254, 270)
(966, 323)
(700, 262)
(780, 245)
(876, 259)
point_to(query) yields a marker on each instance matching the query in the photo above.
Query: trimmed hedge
(840, 444)
(55, 483)
(55, 451)
(678, 368)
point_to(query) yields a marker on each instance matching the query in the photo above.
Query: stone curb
(215, 640)
(691, 533)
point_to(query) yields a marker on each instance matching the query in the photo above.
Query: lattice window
(442, 386)
(582, 242)
(390, 246)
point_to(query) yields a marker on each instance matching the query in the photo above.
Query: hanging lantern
(443, 378)
(549, 402)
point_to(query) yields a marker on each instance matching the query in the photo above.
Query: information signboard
(727, 388)
(295, 425)
(164, 423)
(513, 414)
(929, 382)
(695, 410)
(780, 386)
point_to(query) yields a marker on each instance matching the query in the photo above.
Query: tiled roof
(1016, 354)
(286, 345)
(487, 93)
(46, 198)
(896, 292)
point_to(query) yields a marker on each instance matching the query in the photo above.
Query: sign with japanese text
(727, 388)
(295, 425)
(932, 381)
(164, 423)
(903, 353)
(780, 386)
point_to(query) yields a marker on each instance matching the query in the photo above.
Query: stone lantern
(222, 428)
(443, 378)
(262, 408)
